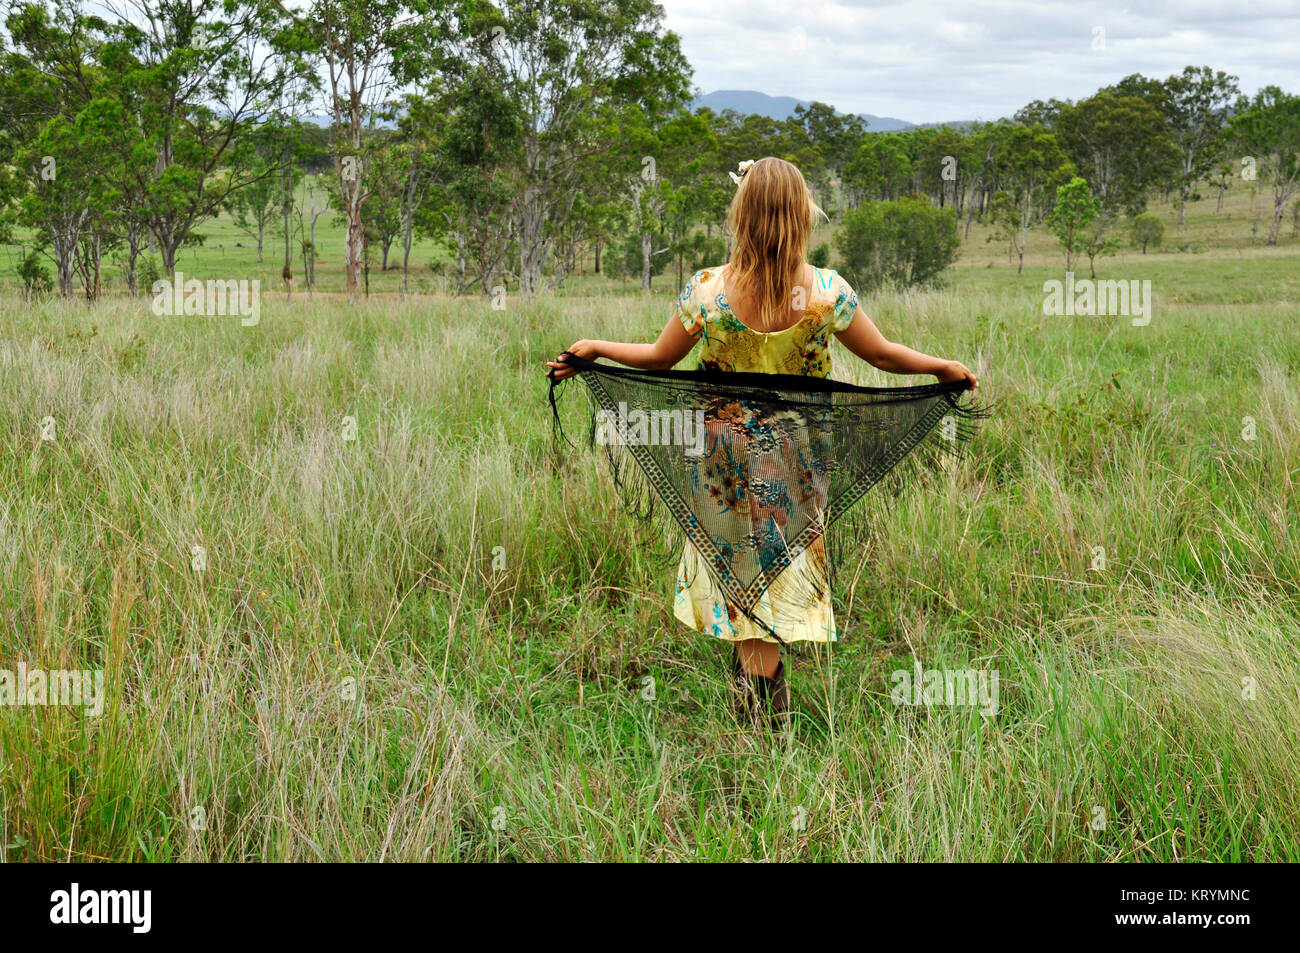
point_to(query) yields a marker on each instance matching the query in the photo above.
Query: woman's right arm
(864, 340)
(673, 345)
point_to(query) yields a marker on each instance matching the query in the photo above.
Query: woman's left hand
(955, 371)
(587, 350)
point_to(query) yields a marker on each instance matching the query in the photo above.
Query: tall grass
(352, 676)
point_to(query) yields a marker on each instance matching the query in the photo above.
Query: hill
(781, 107)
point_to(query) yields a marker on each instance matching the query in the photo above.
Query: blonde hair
(771, 220)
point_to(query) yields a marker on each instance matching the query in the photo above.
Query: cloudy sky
(929, 62)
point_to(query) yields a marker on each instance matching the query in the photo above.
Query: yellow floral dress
(727, 344)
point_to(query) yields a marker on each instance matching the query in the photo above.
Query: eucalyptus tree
(1197, 105)
(1030, 167)
(1121, 145)
(368, 48)
(477, 131)
(52, 175)
(1266, 130)
(558, 61)
(418, 121)
(196, 78)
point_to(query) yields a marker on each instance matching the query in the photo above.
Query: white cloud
(927, 61)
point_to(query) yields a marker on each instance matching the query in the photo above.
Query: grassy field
(355, 676)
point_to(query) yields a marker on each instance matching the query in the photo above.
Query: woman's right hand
(588, 350)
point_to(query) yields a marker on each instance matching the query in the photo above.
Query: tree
(1041, 113)
(367, 46)
(55, 182)
(195, 78)
(255, 206)
(1147, 229)
(63, 198)
(318, 203)
(834, 136)
(1196, 106)
(1121, 145)
(559, 62)
(475, 183)
(669, 180)
(689, 149)
(1072, 218)
(881, 168)
(1267, 130)
(945, 166)
(981, 170)
(387, 164)
(1031, 164)
(417, 124)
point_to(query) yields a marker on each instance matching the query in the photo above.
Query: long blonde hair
(771, 220)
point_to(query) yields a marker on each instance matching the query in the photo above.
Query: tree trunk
(311, 260)
(132, 256)
(532, 244)
(1279, 207)
(408, 226)
(286, 207)
(647, 246)
(355, 237)
(64, 264)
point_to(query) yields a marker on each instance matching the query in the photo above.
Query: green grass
(521, 696)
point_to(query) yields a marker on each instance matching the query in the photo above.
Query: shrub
(820, 256)
(908, 242)
(35, 276)
(149, 271)
(1147, 229)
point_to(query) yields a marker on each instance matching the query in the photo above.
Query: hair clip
(743, 167)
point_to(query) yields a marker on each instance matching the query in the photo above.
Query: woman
(766, 310)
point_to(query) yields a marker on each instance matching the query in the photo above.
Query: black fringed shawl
(755, 467)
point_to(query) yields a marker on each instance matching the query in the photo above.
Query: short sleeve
(846, 304)
(691, 316)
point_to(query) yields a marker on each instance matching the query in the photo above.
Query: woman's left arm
(864, 339)
(673, 345)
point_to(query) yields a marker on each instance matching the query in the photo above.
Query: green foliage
(1122, 146)
(1266, 130)
(1073, 218)
(35, 276)
(1029, 166)
(1147, 229)
(820, 257)
(150, 270)
(706, 252)
(897, 244)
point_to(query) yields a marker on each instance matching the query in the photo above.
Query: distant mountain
(781, 107)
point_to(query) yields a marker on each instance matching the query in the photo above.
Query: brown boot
(743, 696)
(777, 694)
(757, 697)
